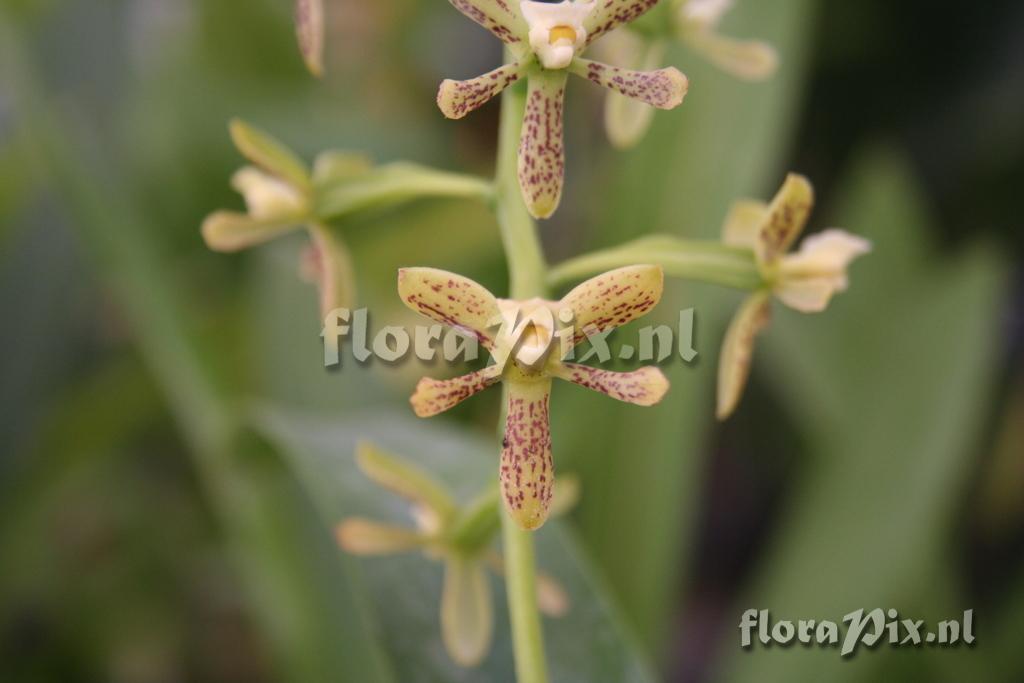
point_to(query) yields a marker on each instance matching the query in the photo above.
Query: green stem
(527, 272)
(710, 262)
(523, 252)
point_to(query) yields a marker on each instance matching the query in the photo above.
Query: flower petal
(500, 17)
(527, 471)
(643, 387)
(309, 28)
(738, 350)
(232, 231)
(625, 119)
(433, 396)
(329, 265)
(402, 477)
(613, 299)
(467, 621)
(743, 224)
(752, 60)
(541, 150)
(786, 218)
(266, 152)
(268, 198)
(611, 13)
(809, 278)
(365, 537)
(450, 299)
(663, 88)
(458, 98)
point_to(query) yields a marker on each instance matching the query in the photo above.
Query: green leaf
(406, 590)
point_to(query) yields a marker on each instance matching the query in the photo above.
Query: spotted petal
(527, 470)
(500, 17)
(643, 387)
(662, 88)
(467, 620)
(611, 13)
(738, 350)
(450, 299)
(613, 299)
(785, 219)
(458, 98)
(541, 149)
(433, 396)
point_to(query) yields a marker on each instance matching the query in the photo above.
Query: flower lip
(556, 30)
(528, 331)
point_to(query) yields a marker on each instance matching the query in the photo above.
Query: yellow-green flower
(461, 538)
(805, 280)
(283, 195)
(695, 24)
(521, 337)
(545, 41)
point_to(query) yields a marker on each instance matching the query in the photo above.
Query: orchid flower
(522, 348)
(805, 280)
(459, 537)
(695, 24)
(545, 41)
(282, 195)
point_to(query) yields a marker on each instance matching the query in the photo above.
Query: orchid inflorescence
(530, 338)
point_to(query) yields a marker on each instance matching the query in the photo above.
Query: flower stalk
(527, 279)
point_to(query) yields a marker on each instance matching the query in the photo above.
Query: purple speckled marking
(611, 13)
(527, 471)
(663, 88)
(541, 151)
(612, 299)
(450, 299)
(644, 387)
(497, 16)
(458, 98)
(433, 396)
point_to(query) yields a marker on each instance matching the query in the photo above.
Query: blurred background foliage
(173, 454)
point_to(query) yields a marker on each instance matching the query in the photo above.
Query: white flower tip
(557, 32)
(448, 99)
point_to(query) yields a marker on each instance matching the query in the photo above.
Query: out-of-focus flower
(309, 29)
(461, 538)
(545, 41)
(522, 347)
(282, 195)
(695, 24)
(805, 280)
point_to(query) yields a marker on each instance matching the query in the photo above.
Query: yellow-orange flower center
(559, 32)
